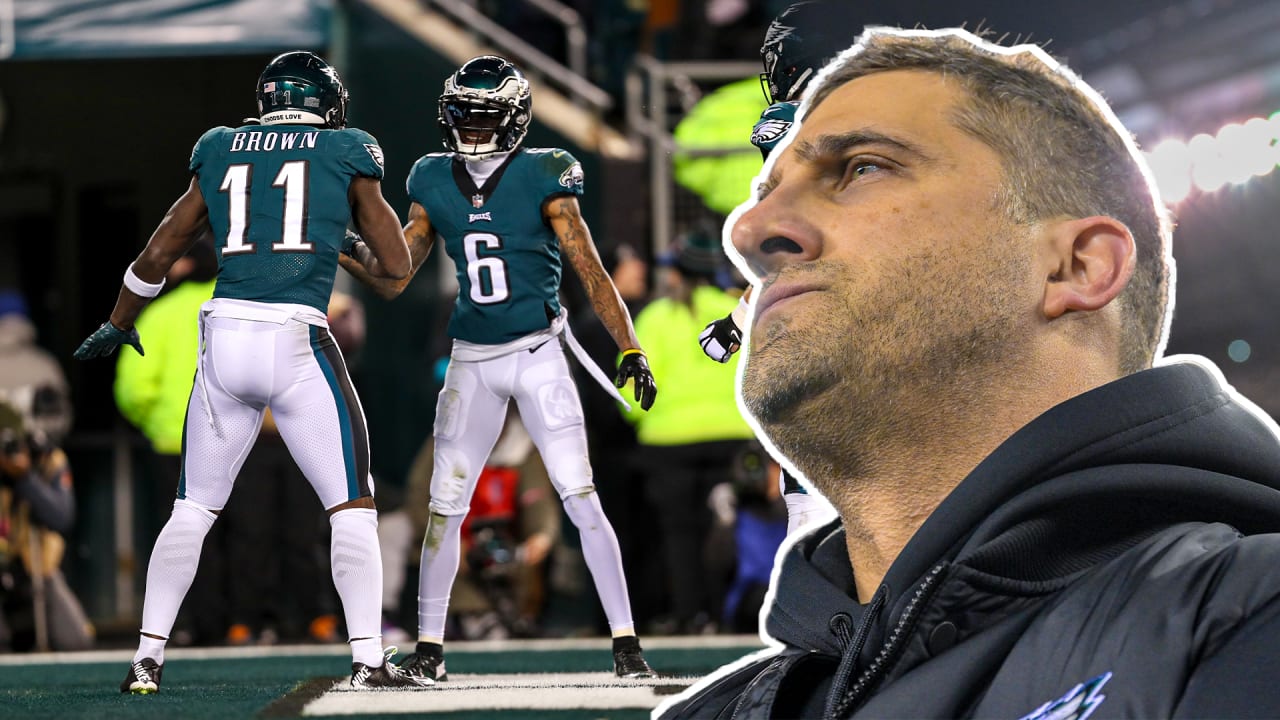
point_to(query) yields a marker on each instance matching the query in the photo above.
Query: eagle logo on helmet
(802, 39)
(485, 109)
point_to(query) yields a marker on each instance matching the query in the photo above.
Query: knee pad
(568, 467)
(583, 507)
(450, 481)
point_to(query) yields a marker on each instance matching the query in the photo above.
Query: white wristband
(138, 286)
(739, 313)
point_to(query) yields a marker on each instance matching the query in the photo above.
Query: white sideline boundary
(505, 693)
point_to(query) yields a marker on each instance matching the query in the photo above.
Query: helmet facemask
(479, 121)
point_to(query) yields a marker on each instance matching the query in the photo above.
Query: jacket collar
(1179, 416)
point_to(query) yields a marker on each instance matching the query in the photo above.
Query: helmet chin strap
(797, 87)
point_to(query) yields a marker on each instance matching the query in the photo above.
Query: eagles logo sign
(572, 178)
(769, 131)
(376, 152)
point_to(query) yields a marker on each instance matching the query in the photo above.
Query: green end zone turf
(224, 684)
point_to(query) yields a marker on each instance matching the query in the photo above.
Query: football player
(799, 42)
(509, 215)
(278, 192)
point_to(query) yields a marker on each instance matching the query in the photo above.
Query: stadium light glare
(1239, 350)
(1208, 167)
(1170, 164)
(1207, 163)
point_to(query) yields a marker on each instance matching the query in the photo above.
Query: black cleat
(385, 676)
(143, 678)
(428, 667)
(629, 662)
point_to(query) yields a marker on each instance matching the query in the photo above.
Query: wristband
(632, 351)
(739, 313)
(141, 287)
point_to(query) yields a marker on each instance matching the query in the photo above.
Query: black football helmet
(298, 88)
(485, 108)
(800, 41)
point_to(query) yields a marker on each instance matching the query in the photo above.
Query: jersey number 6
(488, 275)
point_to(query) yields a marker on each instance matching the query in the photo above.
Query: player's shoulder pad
(560, 164)
(357, 138)
(207, 144)
(431, 162)
(423, 168)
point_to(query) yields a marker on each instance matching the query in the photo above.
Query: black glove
(635, 367)
(721, 339)
(349, 242)
(106, 339)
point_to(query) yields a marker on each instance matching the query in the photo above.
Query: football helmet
(298, 88)
(800, 41)
(485, 108)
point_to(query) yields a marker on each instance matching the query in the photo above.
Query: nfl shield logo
(477, 200)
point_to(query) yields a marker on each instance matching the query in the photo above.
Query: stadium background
(100, 103)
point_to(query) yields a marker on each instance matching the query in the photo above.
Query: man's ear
(1088, 261)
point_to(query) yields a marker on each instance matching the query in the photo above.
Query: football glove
(350, 241)
(106, 339)
(635, 367)
(721, 339)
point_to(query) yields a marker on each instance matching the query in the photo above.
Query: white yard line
(508, 692)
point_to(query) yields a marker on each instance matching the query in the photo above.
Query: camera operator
(38, 611)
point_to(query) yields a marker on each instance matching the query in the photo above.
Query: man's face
(476, 123)
(889, 276)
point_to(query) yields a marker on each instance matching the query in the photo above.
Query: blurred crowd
(665, 29)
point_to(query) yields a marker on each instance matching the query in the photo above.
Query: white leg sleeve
(441, 552)
(357, 570)
(604, 559)
(174, 560)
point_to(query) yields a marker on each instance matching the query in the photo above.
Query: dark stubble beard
(867, 373)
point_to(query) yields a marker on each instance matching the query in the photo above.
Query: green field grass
(278, 682)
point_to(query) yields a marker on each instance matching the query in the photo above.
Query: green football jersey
(508, 256)
(277, 197)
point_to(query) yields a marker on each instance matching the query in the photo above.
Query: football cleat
(143, 678)
(629, 662)
(425, 666)
(385, 676)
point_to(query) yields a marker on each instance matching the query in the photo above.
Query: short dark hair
(1063, 152)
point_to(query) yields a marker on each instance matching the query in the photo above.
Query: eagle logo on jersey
(472, 217)
(769, 131)
(572, 176)
(376, 152)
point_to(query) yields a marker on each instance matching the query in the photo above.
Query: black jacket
(1110, 559)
